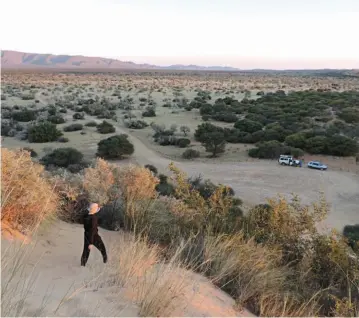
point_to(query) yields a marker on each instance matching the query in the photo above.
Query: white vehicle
(286, 160)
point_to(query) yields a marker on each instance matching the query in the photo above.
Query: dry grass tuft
(252, 274)
(157, 287)
(27, 198)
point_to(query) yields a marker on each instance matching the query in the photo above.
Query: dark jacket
(90, 226)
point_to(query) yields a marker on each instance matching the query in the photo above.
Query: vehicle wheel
(282, 163)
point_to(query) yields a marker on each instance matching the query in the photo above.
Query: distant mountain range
(20, 60)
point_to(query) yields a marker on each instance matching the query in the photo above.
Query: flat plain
(123, 97)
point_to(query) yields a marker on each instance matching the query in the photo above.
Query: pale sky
(246, 34)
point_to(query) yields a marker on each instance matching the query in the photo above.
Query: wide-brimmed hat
(93, 208)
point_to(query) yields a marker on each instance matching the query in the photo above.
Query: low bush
(136, 124)
(91, 124)
(190, 154)
(149, 112)
(73, 127)
(43, 132)
(78, 116)
(167, 140)
(183, 142)
(62, 157)
(115, 147)
(152, 168)
(351, 232)
(105, 128)
(63, 139)
(33, 153)
(226, 117)
(24, 115)
(56, 119)
(272, 150)
(163, 187)
(247, 125)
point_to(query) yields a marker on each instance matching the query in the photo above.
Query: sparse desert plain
(177, 99)
(175, 243)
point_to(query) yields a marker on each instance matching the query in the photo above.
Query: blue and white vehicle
(317, 165)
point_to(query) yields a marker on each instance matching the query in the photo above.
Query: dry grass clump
(27, 198)
(254, 276)
(157, 286)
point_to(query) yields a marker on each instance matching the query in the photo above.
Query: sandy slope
(53, 273)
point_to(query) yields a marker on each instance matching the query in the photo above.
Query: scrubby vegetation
(115, 147)
(105, 128)
(190, 154)
(73, 127)
(318, 122)
(271, 259)
(63, 157)
(43, 132)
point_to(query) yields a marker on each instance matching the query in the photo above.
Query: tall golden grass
(26, 197)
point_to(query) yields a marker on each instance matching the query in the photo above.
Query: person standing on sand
(91, 237)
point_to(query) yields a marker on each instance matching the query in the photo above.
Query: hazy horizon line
(195, 61)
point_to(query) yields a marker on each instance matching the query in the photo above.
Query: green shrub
(206, 109)
(73, 127)
(163, 187)
(33, 153)
(183, 142)
(137, 124)
(351, 232)
(24, 115)
(338, 145)
(51, 110)
(43, 132)
(226, 117)
(115, 147)
(167, 140)
(214, 142)
(27, 97)
(269, 150)
(62, 157)
(63, 139)
(152, 168)
(316, 145)
(203, 130)
(105, 128)
(248, 125)
(56, 119)
(78, 116)
(5, 130)
(91, 124)
(149, 112)
(190, 154)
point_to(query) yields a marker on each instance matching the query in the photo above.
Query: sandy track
(256, 181)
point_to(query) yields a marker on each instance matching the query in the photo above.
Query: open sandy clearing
(53, 276)
(256, 181)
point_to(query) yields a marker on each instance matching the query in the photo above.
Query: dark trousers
(98, 243)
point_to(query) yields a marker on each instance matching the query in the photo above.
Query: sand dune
(56, 285)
